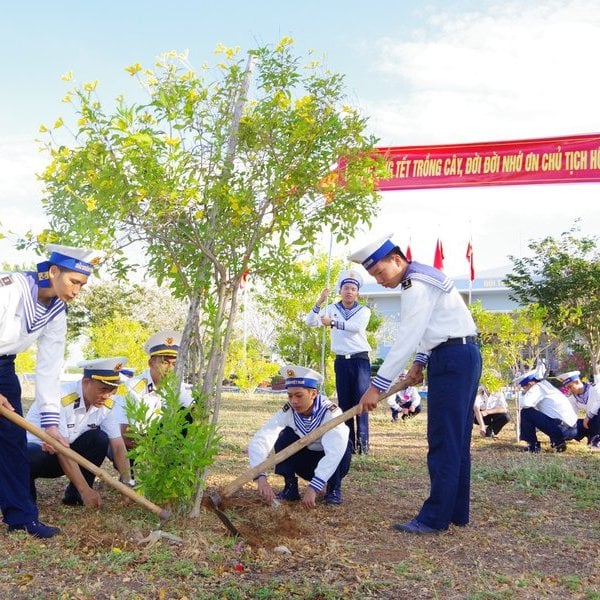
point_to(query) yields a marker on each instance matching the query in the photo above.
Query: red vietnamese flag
(438, 259)
(469, 257)
(408, 253)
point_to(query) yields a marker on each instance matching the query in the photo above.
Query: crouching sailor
(323, 463)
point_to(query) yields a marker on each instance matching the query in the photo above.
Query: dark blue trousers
(494, 422)
(304, 462)
(453, 375)
(15, 501)
(352, 378)
(92, 444)
(555, 429)
(593, 428)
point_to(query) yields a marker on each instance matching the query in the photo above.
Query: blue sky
(422, 72)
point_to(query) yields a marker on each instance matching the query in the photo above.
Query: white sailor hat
(373, 252)
(163, 343)
(296, 376)
(350, 276)
(106, 370)
(568, 377)
(528, 377)
(80, 260)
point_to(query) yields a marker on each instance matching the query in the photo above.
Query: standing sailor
(33, 308)
(436, 323)
(348, 321)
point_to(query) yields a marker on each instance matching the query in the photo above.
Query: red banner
(570, 159)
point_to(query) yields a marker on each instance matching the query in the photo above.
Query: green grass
(538, 475)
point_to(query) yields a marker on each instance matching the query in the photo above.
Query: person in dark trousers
(490, 412)
(436, 323)
(323, 463)
(88, 421)
(348, 321)
(547, 409)
(405, 404)
(585, 397)
(33, 309)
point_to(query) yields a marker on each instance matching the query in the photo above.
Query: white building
(487, 288)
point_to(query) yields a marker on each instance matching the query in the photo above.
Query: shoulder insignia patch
(333, 407)
(109, 403)
(407, 283)
(69, 399)
(141, 386)
(286, 407)
(6, 280)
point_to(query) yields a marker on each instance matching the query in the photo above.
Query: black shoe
(36, 529)
(333, 496)
(595, 442)
(290, 491)
(416, 527)
(533, 448)
(560, 447)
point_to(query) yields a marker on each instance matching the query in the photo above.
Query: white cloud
(515, 71)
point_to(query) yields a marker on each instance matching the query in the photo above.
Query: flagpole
(470, 262)
(470, 288)
(324, 333)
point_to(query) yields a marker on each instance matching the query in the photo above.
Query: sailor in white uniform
(585, 397)
(324, 463)
(88, 421)
(546, 408)
(490, 412)
(348, 321)
(436, 323)
(162, 349)
(406, 402)
(33, 309)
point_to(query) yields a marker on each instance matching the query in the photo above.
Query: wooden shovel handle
(84, 462)
(275, 459)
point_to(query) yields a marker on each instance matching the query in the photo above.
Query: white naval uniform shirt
(333, 442)
(410, 393)
(21, 318)
(543, 396)
(428, 316)
(494, 400)
(75, 420)
(349, 335)
(589, 400)
(142, 389)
